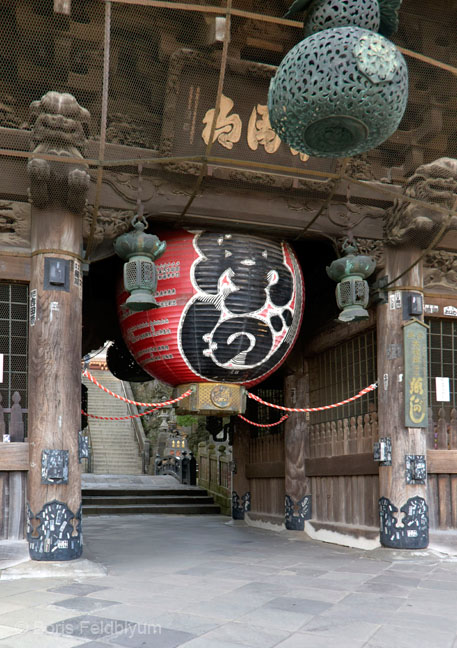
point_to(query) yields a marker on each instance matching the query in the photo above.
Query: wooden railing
(265, 472)
(442, 469)
(343, 473)
(14, 463)
(214, 473)
(14, 429)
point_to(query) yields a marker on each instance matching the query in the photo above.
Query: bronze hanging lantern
(352, 291)
(339, 92)
(140, 250)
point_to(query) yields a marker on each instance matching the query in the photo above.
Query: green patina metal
(339, 92)
(375, 15)
(352, 292)
(415, 380)
(140, 250)
(341, 13)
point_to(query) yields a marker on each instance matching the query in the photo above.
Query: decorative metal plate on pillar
(57, 535)
(240, 505)
(413, 534)
(415, 469)
(297, 512)
(328, 105)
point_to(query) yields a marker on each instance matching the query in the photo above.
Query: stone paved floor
(199, 582)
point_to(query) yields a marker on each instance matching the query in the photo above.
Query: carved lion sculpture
(434, 184)
(60, 127)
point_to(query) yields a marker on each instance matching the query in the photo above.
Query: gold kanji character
(260, 131)
(416, 385)
(228, 127)
(303, 156)
(416, 409)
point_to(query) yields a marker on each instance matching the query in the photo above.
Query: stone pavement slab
(170, 581)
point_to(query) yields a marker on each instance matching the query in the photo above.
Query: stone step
(145, 492)
(135, 501)
(141, 509)
(123, 500)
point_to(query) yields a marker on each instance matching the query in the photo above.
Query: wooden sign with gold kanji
(416, 392)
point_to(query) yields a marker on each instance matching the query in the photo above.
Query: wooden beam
(15, 268)
(337, 332)
(343, 465)
(14, 456)
(442, 461)
(165, 194)
(265, 470)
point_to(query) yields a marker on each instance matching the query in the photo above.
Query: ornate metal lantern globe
(352, 291)
(140, 276)
(341, 13)
(339, 92)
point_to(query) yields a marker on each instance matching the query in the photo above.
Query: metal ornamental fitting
(339, 92)
(140, 250)
(352, 291)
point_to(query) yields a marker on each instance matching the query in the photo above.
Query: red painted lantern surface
(230, 310)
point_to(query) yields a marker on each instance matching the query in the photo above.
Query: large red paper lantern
(230, 310)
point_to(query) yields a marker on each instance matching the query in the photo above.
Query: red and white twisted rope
(90, 377)
(264, 425)
(361, 393)
(118, 418)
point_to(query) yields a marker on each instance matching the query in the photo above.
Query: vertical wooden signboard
(416, 394)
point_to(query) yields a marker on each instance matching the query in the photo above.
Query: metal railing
(142, 440)
(184, 468)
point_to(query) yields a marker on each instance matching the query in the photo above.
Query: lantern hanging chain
(217, 108)
(139, 216)
(118, 418)
(361, 393)
(89, 376)
(103, 124)
(264, 425)
(326, 204)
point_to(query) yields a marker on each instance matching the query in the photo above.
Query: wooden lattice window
(339, 373)
(13, 342)
(263, 414)
(442, 360)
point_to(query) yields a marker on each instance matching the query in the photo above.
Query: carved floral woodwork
(369, 247)
(60, 127)
(440, 271)
(110, 223)
(433, 184)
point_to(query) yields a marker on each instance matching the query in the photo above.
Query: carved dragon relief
(14, 224)
(434, 183)
(60, 127)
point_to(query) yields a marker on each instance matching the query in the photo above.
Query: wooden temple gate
(343, 475)
(322, 463)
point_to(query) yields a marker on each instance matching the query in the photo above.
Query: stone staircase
(119, 501)
(114, 446)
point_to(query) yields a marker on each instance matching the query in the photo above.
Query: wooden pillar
(241, 495)
(297, 485)
(54, 481)
(402, 505)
